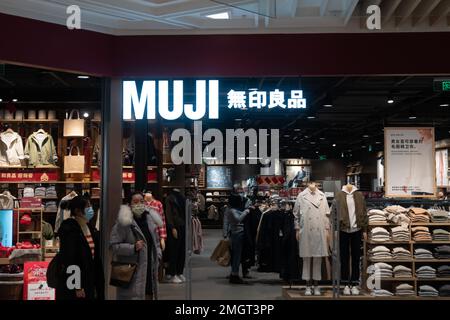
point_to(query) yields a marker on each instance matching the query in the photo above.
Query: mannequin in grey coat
(122, 243)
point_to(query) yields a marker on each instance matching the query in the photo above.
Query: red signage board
(128, 175)
(35, 281)
(31, 176)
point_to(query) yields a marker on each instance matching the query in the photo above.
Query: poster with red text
(35, 281)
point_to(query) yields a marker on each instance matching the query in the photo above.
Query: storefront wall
(40, 44)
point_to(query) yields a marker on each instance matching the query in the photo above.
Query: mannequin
(158, 207)
(312, 223)
(353, 220)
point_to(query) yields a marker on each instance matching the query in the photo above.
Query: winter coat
(11, 149)
(312, 220)
(124, 236)
(175, 210)
(40, 155)
(75, 250)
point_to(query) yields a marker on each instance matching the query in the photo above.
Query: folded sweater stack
(444, 291)
(400, 233)
(426, 272)
(419, 215)
(51, 192)
(376, 216)
(421, 253)
(404, 290)
(402, 272)
(421, 234)
(399, 253)
(397, 215)
(441, 235)
(439, 215)
(380, 253)
(442, 252)
(39, 192)
(379, 234)
(380, 270)
(428, 291)
(443, 272)
(381, 293)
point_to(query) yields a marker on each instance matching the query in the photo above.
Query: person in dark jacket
(79, 247)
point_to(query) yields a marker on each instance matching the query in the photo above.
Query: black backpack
(55, 271)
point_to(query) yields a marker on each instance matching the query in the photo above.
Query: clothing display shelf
(35, 212)
(411, 245)
(30, 121)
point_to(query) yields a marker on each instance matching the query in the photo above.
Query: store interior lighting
(219, 16)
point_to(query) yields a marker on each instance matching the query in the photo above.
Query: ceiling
(354, 122)
(138, 17)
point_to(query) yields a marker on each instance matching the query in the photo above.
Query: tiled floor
(209, 280)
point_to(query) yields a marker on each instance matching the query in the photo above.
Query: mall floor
(209, 280)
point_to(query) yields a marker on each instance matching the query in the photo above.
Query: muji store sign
(152, 98)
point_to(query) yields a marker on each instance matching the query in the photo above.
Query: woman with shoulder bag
(135, 241)
(79, 246)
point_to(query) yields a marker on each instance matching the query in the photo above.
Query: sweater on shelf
(421, 253)
(402, 272)
(442, 252)
(404, 289)
(399, 253)
(444, 291)
(441, 235)
(376, 215)
(443, 271)
(421, 234)
(400, 234)
(381, 293)
(380, 253)
(439, 215)
(426, 272)
(419, 215)
(381, 270)
(379, 234)
(428, 291)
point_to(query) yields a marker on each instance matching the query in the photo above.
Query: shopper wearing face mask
(79, 246)
(134, 239)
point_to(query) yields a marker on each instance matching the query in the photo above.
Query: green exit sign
(323, 157)
(445, 85)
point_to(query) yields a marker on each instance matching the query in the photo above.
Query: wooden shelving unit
(412, 263)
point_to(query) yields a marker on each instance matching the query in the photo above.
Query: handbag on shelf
(19, 115)
(42, 115)
(74, 164)
(31, 115)
(73, 127)
(122, 273)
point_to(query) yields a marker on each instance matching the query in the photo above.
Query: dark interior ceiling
(354, 123)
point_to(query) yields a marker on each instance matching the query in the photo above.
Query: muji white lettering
(258, 99)
(74, 280)
(146, 100)
(186, 310)
(74, 19)
(374, 20)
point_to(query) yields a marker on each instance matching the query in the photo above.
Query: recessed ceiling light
(86, 115)
(219, 16)
(313, 142)
(363, 146)
(14, 100)
(412, 117)
(444, 105)
(311, 117)
(365, 135)
(322, 138)
(297, 129)
(306, 136)
(328, 105)
(237, 119)
(317, 151)
(1, 100)
(390, 101)
(377, 142)
(83, 77)
(286, 136)
(334, 144)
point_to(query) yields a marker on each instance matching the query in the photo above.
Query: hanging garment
(291, 264)
(96, 150)
(11, 149)
(152, 159)
(312, 220)
(40, 149)
(197, 236)
(7, 201)
(213, 213)
(269, 243)
(250, 222)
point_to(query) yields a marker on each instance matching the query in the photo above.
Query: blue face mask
(89, 213)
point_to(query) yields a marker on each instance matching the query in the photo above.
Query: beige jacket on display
(40, 151)
(311, 213)
(11, 149)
